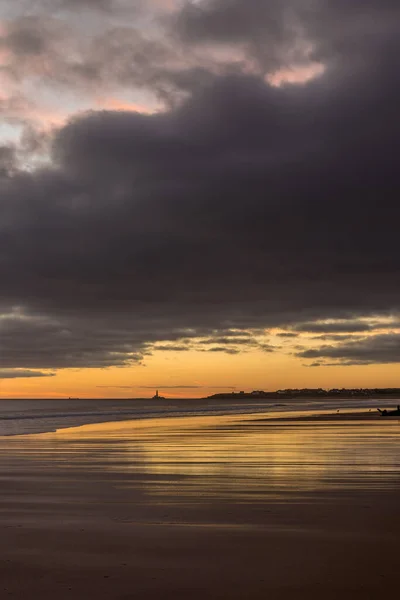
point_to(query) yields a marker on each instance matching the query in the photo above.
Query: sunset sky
(198, 196)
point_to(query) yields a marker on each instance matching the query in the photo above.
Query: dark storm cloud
(31, 36)
(335, 337)
(240, 341)
(382, 349)
(336, 327)
(349, 326)
(22, 374)
(40, 342)
(163, 57)
(12, 156)
(8, 160)
(223, 349)
(173, 348)
(287, 334)
(93, 4)
(231, 20)
(107, 5)
(268, 347)
(267, 31)
(245, 207)
(25, 40)
(277, 33)
(56, 6)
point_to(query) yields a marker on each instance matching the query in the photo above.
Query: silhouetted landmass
(310, 393)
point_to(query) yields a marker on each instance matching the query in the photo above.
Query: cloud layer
(240, 205)
(384, 349)
(22, 374)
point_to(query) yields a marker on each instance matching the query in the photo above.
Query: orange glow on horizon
(205, 373)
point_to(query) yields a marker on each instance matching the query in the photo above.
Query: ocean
(19, 417)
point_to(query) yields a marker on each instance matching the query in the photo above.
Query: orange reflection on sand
(238, 458)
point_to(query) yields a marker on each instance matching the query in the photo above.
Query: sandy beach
(337, 415)
(202, 508)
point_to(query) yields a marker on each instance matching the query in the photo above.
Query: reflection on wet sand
(251, 497)
(250, 457)
(222, 457)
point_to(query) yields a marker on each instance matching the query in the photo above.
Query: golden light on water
(234, 458)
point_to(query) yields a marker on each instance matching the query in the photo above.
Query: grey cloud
(161, 57)
(26, 41)
(227, 343)
(384, 349)
(58, 7)
(239, 341)
(22, 374)
(265, 31)
(229, 20)
(336, 327)
(31, 36)
(119, 52)
(335, 337)
(115, 6)
(287, 334)
(347, 326)
(41, 342)
(102, 5)
(95, 341)
(268, 347)
(8, 160)
(119, 55)
(277, 34)
(240, 208)
(224, 350)
(173, 348)
(32, 145)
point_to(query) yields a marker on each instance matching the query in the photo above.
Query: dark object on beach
(390, 413)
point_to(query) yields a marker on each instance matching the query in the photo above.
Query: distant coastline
(319, 393)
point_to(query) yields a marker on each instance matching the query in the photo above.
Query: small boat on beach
(390, 413)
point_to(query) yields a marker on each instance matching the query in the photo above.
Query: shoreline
(340, 416)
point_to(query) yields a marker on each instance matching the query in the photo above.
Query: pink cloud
(296, 74)
(122, 105)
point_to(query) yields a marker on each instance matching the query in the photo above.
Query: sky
(198, 196)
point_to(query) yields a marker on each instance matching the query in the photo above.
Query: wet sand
(202, 508)
(337, 415)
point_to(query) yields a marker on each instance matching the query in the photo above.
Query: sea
(22, 417)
